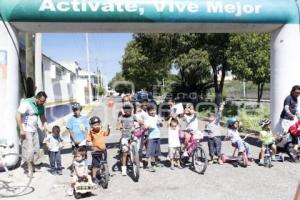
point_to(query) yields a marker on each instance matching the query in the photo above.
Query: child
(191, 119)
(54, 144)
(267, 138)
(174, 142)
(139, 119)
(294, 131)
(213, 133)
(78, 127)
(81, 168)
(152, 125)
(233, 134)
(95, 138)
(127, 128)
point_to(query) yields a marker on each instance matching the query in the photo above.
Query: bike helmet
(76, 106)
(95, 120)
(231, 121)
(264, 122)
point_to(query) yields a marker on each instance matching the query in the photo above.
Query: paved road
(219, 182)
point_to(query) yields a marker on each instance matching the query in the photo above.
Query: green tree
(249, 56)
(120, 84)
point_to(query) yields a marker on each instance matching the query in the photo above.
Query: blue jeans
(55, 160)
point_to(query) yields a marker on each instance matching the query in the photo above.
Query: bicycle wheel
(105, 176)
(13, 182)
(199, 160)
(135, 160)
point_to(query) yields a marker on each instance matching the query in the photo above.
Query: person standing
(290, 114)
(29, 111)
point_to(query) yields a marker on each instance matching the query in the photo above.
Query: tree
(119, 84)
(249, 56)
(142, 70)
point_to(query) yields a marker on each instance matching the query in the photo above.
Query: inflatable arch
(280, 17)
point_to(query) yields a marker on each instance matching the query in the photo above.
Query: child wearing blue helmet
(233, 134)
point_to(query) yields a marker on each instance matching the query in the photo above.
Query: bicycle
(102, 175)
(197, 153)
(133, 159)
(8, 187)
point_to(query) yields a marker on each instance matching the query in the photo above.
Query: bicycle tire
(199, 156)
(7, 184)
(105, 178)
(135, 160)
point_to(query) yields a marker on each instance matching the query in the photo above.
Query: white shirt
(234, 135)
(54, 143)
(173, 137)
(30, 115)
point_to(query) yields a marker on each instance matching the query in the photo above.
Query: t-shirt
(81, 167)
(213, 128)
(173, 137)
(234, 135)
(127, 123)
(191, 122)
(31, 112)
(97, 139)
(53, 143)
(153, 127)
(266, 137)
(292, 102)
(78, 126)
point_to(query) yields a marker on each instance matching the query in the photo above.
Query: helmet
(95, 120)
(127, 106)
(76, 106)
(231, 121)
(264, 122)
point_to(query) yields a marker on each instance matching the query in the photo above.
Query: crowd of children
(143, 122)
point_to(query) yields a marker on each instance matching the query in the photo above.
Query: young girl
(191, 119)
(233, 134)
(174, 142)
(54, 145)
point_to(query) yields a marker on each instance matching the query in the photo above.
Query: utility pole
(88, 66)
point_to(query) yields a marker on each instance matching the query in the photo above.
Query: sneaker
(124, 170)
(53, 172)
(172, 168)
(141, 165)
(70, 192)
(59, 172)
(185, 154)
(151, 169)
(210, 162)
(273, 158)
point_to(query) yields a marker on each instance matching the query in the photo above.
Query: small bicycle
(196, 153)
(12, 184)
(133, 160)
(102, 175)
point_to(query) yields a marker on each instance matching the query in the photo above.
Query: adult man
(27, 120)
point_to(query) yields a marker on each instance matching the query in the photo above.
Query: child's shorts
(125, 144)
(97, 157)
(239, 145)
(153, 149)
(174, 152)
(294, 139)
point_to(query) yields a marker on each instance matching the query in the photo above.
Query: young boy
(96, 139)
(267, 138)
(174, 142)
(81, 168)
(54, 144)
(78, 127)
(152, 124)
(213, 133)
(127, 129)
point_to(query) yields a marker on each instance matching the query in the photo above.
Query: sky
(106, 50)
